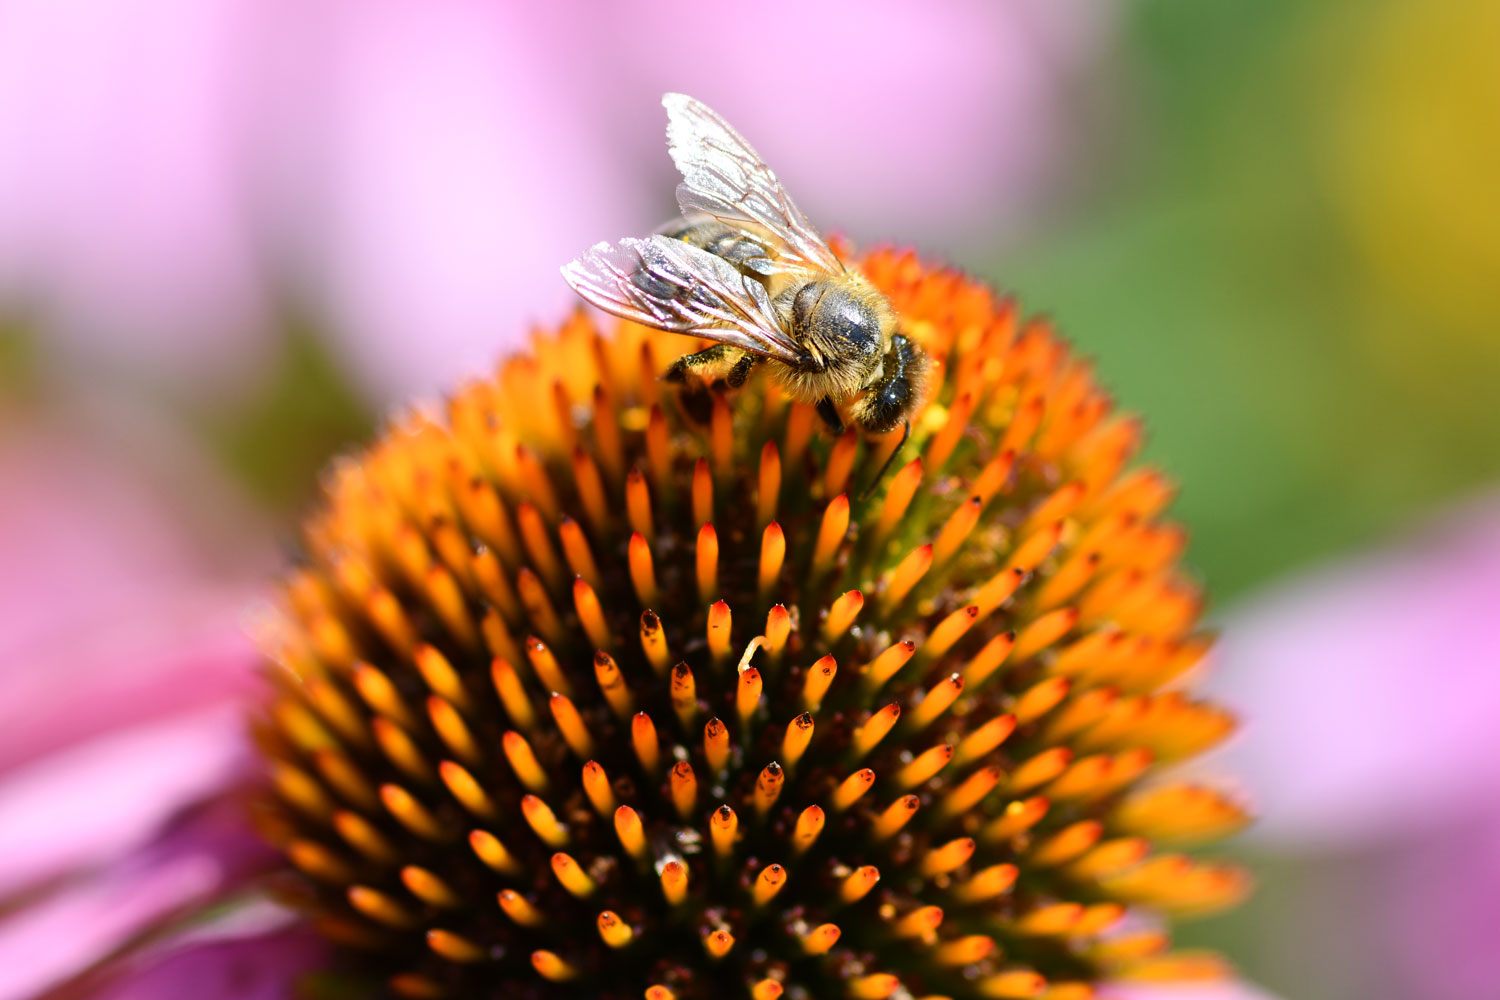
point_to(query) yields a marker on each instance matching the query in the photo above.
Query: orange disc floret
(582, 687)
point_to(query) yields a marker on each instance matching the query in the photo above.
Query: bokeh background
(234, 232)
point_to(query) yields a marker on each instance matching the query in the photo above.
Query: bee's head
(842, 322)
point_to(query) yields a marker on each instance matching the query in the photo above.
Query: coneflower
(578, 696)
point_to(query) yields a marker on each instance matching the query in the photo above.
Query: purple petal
(1231, 990)
(68, 932)
(105, 798)
(261, 967)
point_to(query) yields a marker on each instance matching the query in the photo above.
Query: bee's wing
(670, 285)
(725, 177)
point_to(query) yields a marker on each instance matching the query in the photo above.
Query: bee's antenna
(905, 434)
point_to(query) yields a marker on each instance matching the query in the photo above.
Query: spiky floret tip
(579, 690)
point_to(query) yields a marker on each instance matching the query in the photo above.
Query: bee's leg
(830, 415)
(742, 369)
(701, 363)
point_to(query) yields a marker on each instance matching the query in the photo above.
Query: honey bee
(744, 268)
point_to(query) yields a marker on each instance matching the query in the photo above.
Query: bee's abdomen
(722, 241)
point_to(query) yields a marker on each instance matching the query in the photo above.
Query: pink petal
(68, 932)
(261, 967)
(1370, 689)
(105, 798)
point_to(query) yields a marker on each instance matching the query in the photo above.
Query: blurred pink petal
(1371, 689)
(261, 967)
(102, 799)
(1205, 991)
(112, 612)
(127, 221)
(210, 853)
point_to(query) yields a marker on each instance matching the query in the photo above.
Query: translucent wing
(726, 178)
(667, 284)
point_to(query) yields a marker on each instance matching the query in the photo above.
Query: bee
(744, 268)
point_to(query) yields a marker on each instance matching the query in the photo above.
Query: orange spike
(965, 950)
(858, 883)
(720, 624)
(799, 426)
(411, 813)
(716, 745)
(949, 631)
(874, 730)
(933, 704)
(799, 733)
(993, 476)
(572, 876)
(840, 463)
(988, 660)
(703, 493)
(820, 939)
(987, 883)
(926, 764)
(538, 605)
(550, 966)
(722, 827)
(945, 440)
(887, 664)
(898, 497)
(615, 932)
(684, 694)
(631, 832)
(768, 491)
(747, 695)
(591, 491)
(512, 694)
(919, 923)
(768, 884)
(590, 614)
(981, 740)
(658, 453)
(520, 909)
(493, 853)
(875, 986)
(544, 665)
(401, 749)
(851, 789)
(638, 505)
(361, 834)
(642, 572)
(380, 907)
(596, 786)
(817, 681)
(970, 792)
(944, 859)
(684, 788)
(467, 790)
(1044, 631)
(543, 821)
(841, 614)
(718, 943)
(572, 726)
(490, 577)
(721, 437)
(900, 581)
(380, 694)
(766, 989)
(708, 563)
(1016, 818)
(768, 787)
(607, 434)
(1040, 769)
(538, 545)
(654, 642)
(674, 882)
(576, 551)
(452, 729)
(957, 528)
(778, 629)
(830, 534)
(809, 825)
(895, 816)
(772, 553)
(643, 738)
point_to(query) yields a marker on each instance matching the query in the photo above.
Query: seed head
(588, 688)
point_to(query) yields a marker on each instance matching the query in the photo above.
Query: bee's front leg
(830, 415)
